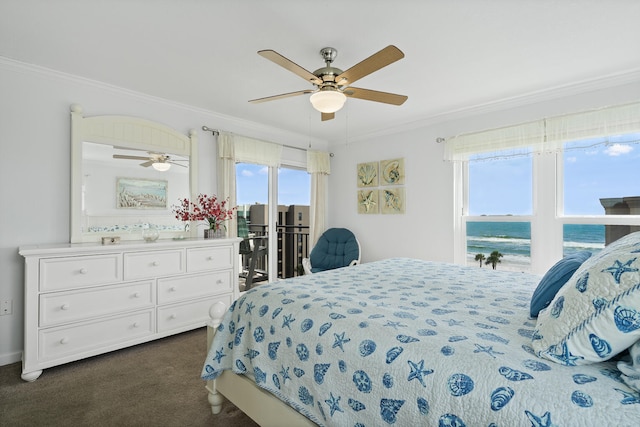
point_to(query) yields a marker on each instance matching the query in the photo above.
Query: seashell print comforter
(405, 342)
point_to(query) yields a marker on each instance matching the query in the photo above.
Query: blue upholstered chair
(336, 247)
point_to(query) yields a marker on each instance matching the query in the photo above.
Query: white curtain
(319, 166)
(547, 134)
(236, 148)
(227, 176)
(250, 150)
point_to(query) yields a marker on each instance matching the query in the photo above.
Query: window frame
(547, 220)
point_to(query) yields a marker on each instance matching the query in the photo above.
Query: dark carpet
(153, 384)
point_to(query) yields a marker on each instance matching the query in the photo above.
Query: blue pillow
(553, 280)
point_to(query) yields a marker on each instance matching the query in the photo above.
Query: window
(500, 193)
(599, 173)
(562, 198)
(501, 186)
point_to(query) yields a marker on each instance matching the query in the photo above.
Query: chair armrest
(354, 262)
(306, 264)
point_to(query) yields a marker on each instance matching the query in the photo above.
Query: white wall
(35, 162)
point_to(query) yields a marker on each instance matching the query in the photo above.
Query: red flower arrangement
(208, 208)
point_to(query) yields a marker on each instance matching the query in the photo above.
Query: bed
(405, 342)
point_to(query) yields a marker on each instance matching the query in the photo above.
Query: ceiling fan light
(161, 166)
(328, 101)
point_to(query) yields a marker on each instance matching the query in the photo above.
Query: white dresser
(86, 299)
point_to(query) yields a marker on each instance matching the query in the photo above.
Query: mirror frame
(129, 132)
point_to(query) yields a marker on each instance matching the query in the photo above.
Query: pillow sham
(554, 279)
(596, 314)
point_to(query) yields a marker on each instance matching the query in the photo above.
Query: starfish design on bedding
(340, 340)
(288, 320)
(284, 372)
(486, 349)
(618, 268)
(395, 325)
(219, 355)
(629, 397)
(453, 322)
(250, 307)
(418, 372)
(334, 404)
(331, 304)
(536, 421)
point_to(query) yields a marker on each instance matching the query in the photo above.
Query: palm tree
(493, 259)
(480, 258)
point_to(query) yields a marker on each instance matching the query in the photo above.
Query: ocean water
(513, 240)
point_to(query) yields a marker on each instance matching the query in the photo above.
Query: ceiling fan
(159, 161)
(332, 85)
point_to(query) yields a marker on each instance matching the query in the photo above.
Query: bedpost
(216, 312)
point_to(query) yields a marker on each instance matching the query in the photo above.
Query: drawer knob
(172, 289)
(173, 316)
(136, 324)
(155, 263)
(83, 271)
(136, 295)
(219, 281)
(209, 258)
(64, 307)
(64, 340)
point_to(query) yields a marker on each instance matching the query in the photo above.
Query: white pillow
(596, 314)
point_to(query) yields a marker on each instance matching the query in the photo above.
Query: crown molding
(531, 98)
(236, 125)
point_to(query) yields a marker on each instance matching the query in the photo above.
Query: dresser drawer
(79, 271)
(142, 265)
(181, 315)
(210, 258)
(173, 289)
(88, 336)
(61, 307)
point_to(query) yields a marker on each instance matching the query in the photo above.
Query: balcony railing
(293, 246)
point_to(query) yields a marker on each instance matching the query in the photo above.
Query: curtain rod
(216, 132)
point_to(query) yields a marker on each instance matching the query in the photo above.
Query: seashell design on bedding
(626, 319)
(600, 346)
(500, 397)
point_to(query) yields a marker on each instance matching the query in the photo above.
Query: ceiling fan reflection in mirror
(159, 161)
(332, 85)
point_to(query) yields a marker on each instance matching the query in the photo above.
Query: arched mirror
(126, 175)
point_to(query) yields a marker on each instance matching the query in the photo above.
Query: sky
(252, 185)
(502, 187)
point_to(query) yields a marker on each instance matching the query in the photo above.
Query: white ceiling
(459, 54)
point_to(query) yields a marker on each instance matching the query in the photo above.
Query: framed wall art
(136, 193)
(368, 201)
(392, 172)
(367, 174)
(392, 200)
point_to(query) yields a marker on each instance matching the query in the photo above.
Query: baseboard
(9, 358)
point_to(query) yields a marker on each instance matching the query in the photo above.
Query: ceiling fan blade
(386, 56)
(374, 95)
(274, 56)
(284, 95)
(121, 156)
(328, 116)
(147, 164)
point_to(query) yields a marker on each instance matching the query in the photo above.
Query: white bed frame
(261, 406)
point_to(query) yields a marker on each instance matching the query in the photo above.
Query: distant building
(620, 206)
(292, 225)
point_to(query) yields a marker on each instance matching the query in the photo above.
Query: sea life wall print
(368, 201)
(392, 200)
(368, 174)
(392, 172)
(136, 193)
